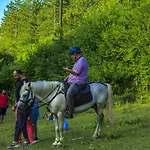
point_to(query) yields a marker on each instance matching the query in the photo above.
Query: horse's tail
(109, 104)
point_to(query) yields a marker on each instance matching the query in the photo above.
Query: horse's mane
(44, 86)
(41, 88)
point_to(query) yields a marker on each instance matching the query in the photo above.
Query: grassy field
(130, 132)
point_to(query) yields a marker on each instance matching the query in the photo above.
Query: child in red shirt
(3, 104)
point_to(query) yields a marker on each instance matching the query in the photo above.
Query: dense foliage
(114, 36)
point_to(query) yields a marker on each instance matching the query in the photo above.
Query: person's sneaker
(13, 145)
(27, 143)
(35, 140)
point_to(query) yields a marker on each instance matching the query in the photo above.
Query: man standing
(77, 77)
(21, 117)
(4, 100)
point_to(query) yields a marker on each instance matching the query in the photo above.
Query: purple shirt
(81, 68)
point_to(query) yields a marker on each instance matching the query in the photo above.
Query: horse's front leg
(61, 126)
(56, 131)
(59, 121)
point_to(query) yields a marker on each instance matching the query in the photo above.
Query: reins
(47, 103)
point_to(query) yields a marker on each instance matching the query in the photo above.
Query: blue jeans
(74, 90)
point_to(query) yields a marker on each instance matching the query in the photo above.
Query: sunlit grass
(130, 132)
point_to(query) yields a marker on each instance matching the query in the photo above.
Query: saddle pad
(83, 99)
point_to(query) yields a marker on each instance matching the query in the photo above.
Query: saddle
(83, 97)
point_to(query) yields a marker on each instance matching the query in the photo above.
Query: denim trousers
(73, 91)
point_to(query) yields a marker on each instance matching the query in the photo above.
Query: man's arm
(71, 71)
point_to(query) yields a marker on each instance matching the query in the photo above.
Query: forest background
(114, 36)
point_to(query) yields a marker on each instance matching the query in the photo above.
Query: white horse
(52, 94)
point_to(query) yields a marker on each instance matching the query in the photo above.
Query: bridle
(44, 103)
(26, 102)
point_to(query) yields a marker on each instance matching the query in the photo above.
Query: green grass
(130, 132)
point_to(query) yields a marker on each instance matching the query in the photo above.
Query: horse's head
(26, 98)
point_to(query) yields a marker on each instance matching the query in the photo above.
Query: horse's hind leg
(101, 123)
(100, 117)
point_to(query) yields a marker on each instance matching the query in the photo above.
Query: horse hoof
(55, 143)
(59, 144)
(94, 137)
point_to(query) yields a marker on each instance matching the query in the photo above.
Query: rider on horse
(77, 77)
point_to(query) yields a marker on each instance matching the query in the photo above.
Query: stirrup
(68, 115)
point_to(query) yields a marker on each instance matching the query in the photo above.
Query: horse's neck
(43, 88)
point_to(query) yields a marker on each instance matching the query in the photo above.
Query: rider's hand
(64, 81)
(66, 69)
